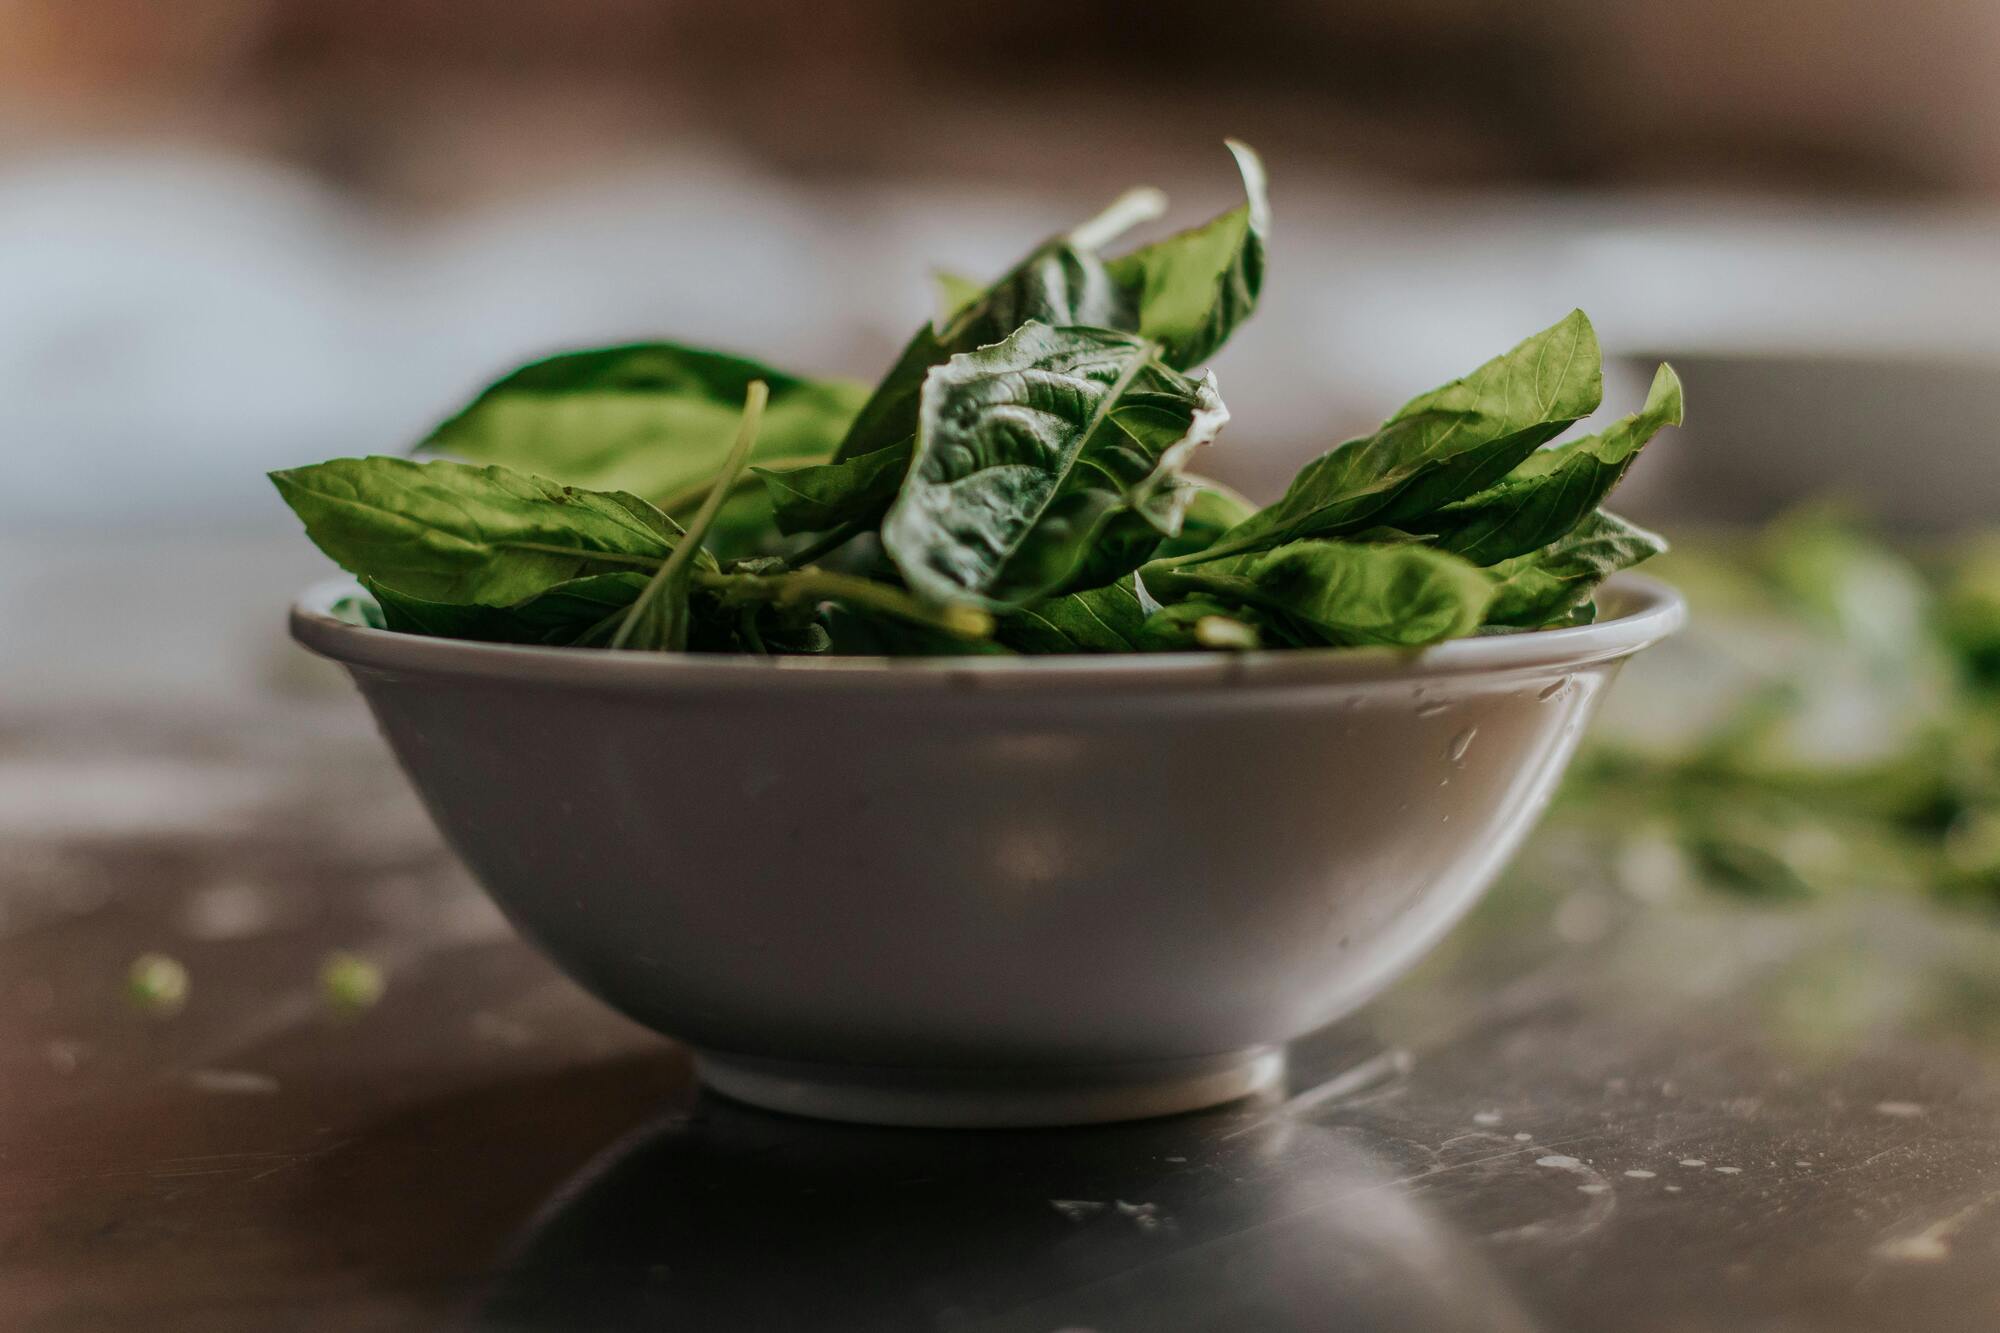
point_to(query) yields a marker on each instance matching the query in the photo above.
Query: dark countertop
(1586, 1112)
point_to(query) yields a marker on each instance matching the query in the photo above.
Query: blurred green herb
(1830, 722)
(157, 984)
(350, 983)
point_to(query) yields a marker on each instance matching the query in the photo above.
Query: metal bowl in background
(1909, 439)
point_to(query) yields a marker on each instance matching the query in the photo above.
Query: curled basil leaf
(1188, 292)
(1056, 284)
(1191, 291)
(1028, 449)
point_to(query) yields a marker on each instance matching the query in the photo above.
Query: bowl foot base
(992, 1099)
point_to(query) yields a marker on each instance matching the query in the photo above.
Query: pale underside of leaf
(1021, 462)
(1057, 284)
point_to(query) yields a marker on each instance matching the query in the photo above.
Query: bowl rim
(1647, 611)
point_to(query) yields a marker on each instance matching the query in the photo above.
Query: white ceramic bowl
(988, 891)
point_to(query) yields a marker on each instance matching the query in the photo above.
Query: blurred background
(240, 234)
(1756, 927)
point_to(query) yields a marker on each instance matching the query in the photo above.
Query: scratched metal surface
(1585, 1113)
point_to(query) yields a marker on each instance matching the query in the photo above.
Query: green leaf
(651, 418)
(1028, 449)
(1098, 620)
(1057, 284)
(790, 590)
(1124, 542)
(1828, 565)
(862, 631)
(358, 608)
(1205, 624)
(1187, 292)
(828, 495)
(1447, 444)
(1192, 290)
(1740, 858)
(1971, 607)
(955, 293)
(1342, 592)
(1545, 586)
(659, 619)
(1554, 489)
(1212, 510)
(450, 532)
(579, 611)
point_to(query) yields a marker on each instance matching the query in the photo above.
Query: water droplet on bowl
(1460, 743)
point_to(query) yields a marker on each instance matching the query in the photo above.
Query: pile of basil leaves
(1020, 481)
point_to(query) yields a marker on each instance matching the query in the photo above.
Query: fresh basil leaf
(828, 495)
(1212, 510)
(651, 418)
(1128, 539)
(1442, 446)
(1192, 290)
(358, 608)
(1124, 542)
(1058, 284)
(1099, 620)
(955, 293)
(1342, 592)
(450, 532)
(1554, 489)
(803, 591)
(1206, 624)
(1545, 586)
(1028, 448)
(660, 618)
(1187, 292)
(1742, 857)
(863, 631)
(578, 611)
(782, 635)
